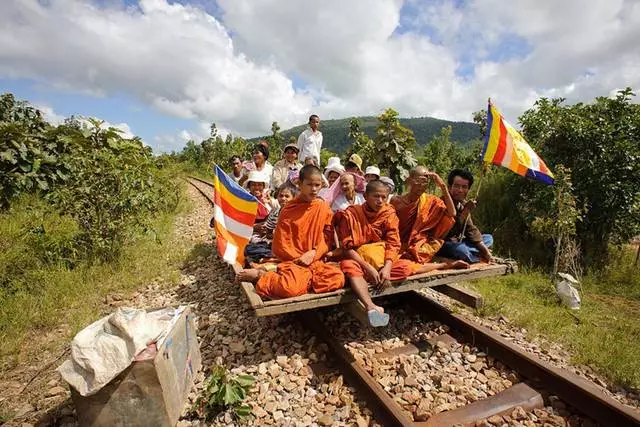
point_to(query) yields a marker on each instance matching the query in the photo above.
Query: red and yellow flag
(506, 147)
(235, 213)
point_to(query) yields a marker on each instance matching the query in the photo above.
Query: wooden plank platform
(310, 301)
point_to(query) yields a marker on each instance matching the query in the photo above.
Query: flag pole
(483, 171)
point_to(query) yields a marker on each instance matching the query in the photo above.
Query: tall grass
(43, 284)
(604, 333)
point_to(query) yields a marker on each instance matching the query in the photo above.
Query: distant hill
(335, 132)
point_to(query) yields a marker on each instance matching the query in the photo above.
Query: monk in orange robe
(301, 239)
(425, 219)
(370, 239)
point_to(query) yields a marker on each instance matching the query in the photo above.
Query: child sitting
(259, 247)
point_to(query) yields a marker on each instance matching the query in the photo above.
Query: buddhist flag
(234, 213)
(505, 146)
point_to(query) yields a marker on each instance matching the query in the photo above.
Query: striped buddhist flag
(504, 146)
(234, 215)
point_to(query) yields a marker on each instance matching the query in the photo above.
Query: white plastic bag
(108, 346)
(567, 292)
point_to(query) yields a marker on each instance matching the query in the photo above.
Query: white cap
(333, 165)
(258, 176)
(389, 182)
(373, 170)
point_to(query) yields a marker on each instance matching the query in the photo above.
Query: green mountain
(335, 132)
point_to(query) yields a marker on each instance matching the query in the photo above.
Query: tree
(276, 142)
(598, 142)
(559, 223)
(480, 118)
(361, 144)
(394, 145)
(440, 153)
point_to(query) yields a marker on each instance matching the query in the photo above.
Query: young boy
(259, 246)
(369, 235)
(301, 239)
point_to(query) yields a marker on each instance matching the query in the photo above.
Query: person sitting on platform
(346, 192)
(259, 247)
(370, 240)
(371, 173)
(354, 164)
(425, 219)
(257, 183)
(464, 241)
(302, 238)
(285, 165)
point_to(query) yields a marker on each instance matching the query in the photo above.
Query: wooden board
(461, 294)
(343, 296)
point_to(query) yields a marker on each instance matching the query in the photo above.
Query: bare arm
(448, 201)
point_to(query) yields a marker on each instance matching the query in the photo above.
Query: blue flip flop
(377, 319)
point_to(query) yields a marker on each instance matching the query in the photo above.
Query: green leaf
(242, 411)
(230, 395)
(245, 380)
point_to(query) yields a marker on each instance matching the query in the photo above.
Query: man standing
(310, 141)
(464, 241)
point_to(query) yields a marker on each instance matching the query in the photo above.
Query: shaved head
(418, 171)
(375, 185)
(308, 171)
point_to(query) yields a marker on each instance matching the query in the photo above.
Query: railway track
(432, 367)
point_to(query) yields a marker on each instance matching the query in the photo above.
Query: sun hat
(292, 145)
(333, 165)
(258, 176)
(389, 182)
(357, 160)
(372, 170)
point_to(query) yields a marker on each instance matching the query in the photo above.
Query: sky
(165, 70)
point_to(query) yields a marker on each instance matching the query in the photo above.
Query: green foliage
(31, 156)
(598, 142)
(394, 147)
(276, 143)
(213, 150)
(222, 392)
(324, 156)
(113, 192)
(336, 132)
(559, 223)
(361, 144)
(45, 284)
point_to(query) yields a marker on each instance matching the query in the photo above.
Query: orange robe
(423, 226)
(375, 236)
(302, 226)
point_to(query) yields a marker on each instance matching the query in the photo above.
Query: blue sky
(167, 69)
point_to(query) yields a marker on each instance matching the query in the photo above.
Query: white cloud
(49, 114)
(176, 58)
(350, 56)
(57, 119)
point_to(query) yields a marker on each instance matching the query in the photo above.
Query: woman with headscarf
(260, 155)
(346, 191)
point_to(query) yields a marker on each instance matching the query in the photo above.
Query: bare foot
(377, 308)
(249, 275)
(255, 265)
(459, 265)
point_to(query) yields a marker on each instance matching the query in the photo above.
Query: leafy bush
(113, 191)
(599, 143)
(31, 156)
(222, 392)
